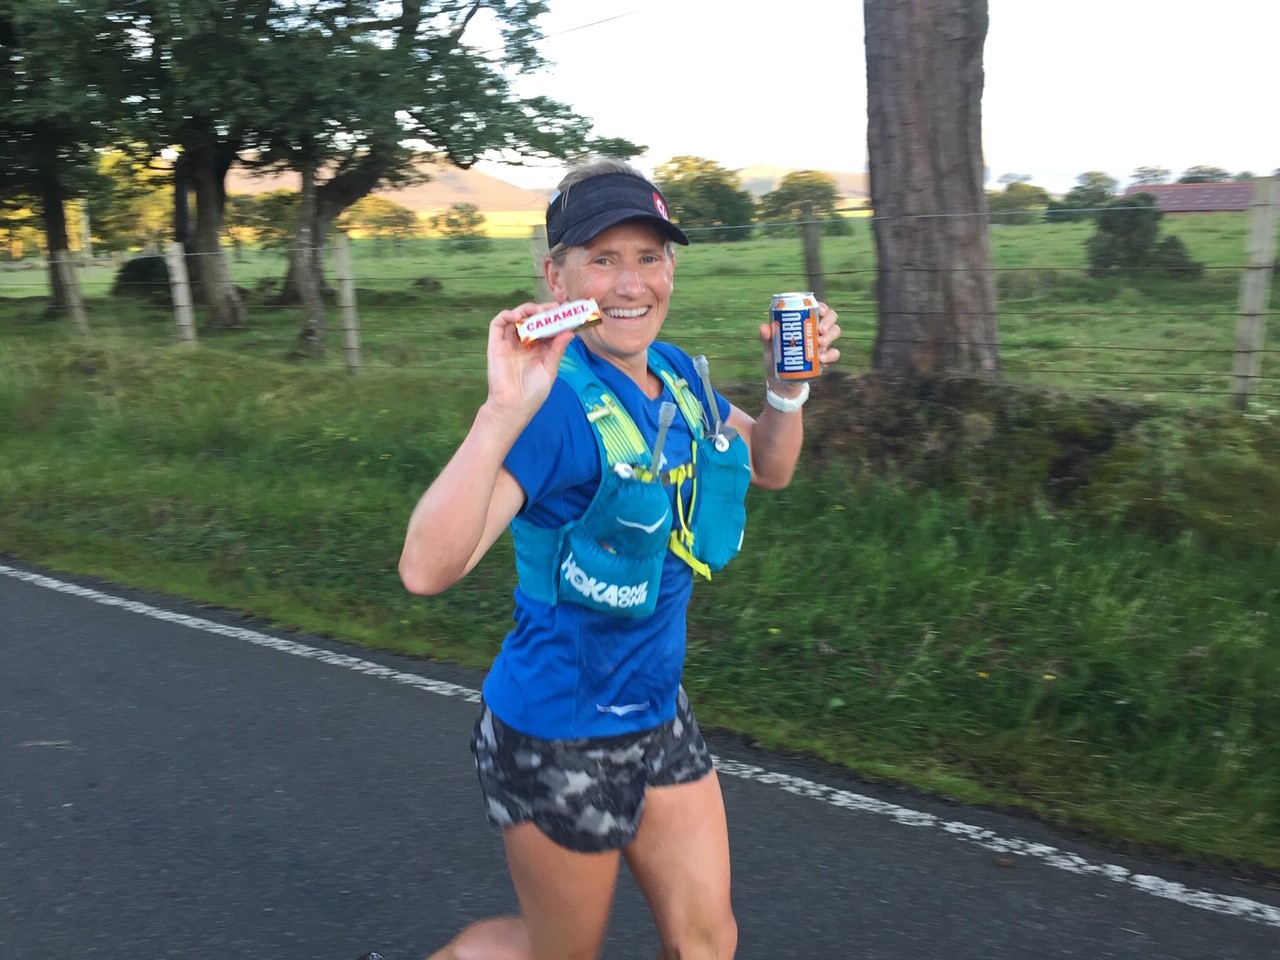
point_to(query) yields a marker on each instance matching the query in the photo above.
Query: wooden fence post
(1254, 289)
(180, 290)
(347, 303)
(811, 230)
(65, 266)
(538, 251)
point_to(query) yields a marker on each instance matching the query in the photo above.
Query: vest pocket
(600, 578)
(719, 513)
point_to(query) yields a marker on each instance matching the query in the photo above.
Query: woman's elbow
(421, 579)
(772, 479)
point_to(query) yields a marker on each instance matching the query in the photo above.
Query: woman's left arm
(775, 436)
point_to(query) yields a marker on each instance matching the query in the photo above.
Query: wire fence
(424, 304)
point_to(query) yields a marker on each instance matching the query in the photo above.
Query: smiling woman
(596, 447)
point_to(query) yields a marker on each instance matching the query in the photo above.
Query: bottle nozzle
(666, 414)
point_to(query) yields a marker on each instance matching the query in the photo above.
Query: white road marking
(1240, 907)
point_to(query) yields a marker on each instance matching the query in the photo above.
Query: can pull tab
(666, 414)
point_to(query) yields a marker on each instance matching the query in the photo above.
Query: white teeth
(627, 314)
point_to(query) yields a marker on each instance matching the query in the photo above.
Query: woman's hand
(521, 375)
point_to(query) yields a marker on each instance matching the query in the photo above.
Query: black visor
(594, 205)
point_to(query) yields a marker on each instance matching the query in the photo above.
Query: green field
(1065, 602)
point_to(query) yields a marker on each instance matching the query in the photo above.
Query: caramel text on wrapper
(566, 316)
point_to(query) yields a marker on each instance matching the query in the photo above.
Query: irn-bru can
(795, 336)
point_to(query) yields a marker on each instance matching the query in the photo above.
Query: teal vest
(611, 558)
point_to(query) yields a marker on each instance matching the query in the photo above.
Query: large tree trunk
(305, 270)
(934, 283)
(53, 212)
(208, 172)
(332, 197)
(182, 202)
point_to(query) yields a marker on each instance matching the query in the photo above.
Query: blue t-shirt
(567, 671)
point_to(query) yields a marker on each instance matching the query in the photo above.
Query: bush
(145, 277)
(1171, 259)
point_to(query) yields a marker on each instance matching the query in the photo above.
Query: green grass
(1028, 599)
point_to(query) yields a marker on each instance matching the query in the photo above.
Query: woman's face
(629, 273)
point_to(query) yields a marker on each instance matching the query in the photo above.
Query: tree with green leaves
(1205, 174)
(131, 202)
(804, 192)
(415, 87)
(1151, 176)
(381, 219)
(1093, 191)
(705, 197)
(462, 224)
(350, 94)
(1018, 204)
(1128, 241)
(59, 94)
(935, 288)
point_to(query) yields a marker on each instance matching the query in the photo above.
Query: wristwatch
(786, 404)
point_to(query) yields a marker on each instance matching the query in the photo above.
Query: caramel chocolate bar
(566, 316)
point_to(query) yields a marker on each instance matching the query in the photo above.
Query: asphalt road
(179, 782)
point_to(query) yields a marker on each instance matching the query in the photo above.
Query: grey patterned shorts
(584, 794)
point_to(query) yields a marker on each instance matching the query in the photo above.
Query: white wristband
(787, 404)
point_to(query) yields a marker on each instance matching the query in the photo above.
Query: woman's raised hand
(520, 375)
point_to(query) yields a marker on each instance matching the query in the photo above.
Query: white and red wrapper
(565, 316)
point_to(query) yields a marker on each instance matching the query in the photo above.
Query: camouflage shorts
(584, 794)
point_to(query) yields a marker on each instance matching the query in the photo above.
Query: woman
(586, 747)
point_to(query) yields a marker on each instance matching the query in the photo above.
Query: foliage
(1149, 176)
(1171, 259)
(1127, 240)
(131, 204)
(58, 95)
(144, 278)
(1204, 174)
(1092, 191)
(463, 225)
(273, 215)
(1018, 204)
(381, 218)
(801, 189)
(20, 231)
(706, 198)
(362, 89)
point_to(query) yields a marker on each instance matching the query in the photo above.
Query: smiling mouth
(618, 313)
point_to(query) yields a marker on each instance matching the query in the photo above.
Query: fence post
(65, 266)
(538, 251)
(180, 290)
(812, 232)
(347, 303)
(1254, 289)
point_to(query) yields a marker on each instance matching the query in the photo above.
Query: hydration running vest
(611, 558)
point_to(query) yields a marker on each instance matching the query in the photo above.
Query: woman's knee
(706, 938)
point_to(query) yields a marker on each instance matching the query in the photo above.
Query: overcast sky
(1070, 86)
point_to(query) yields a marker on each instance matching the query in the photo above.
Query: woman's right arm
(474, 498)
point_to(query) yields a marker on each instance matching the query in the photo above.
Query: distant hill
(762, 178)
(448, 185)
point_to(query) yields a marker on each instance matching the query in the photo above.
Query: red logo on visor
(659, 205)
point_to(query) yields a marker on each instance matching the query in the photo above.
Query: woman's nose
(629, 282)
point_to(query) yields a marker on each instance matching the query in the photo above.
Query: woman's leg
(680, 859)
(564, 896)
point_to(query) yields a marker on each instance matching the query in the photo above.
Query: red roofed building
(1197, 197)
